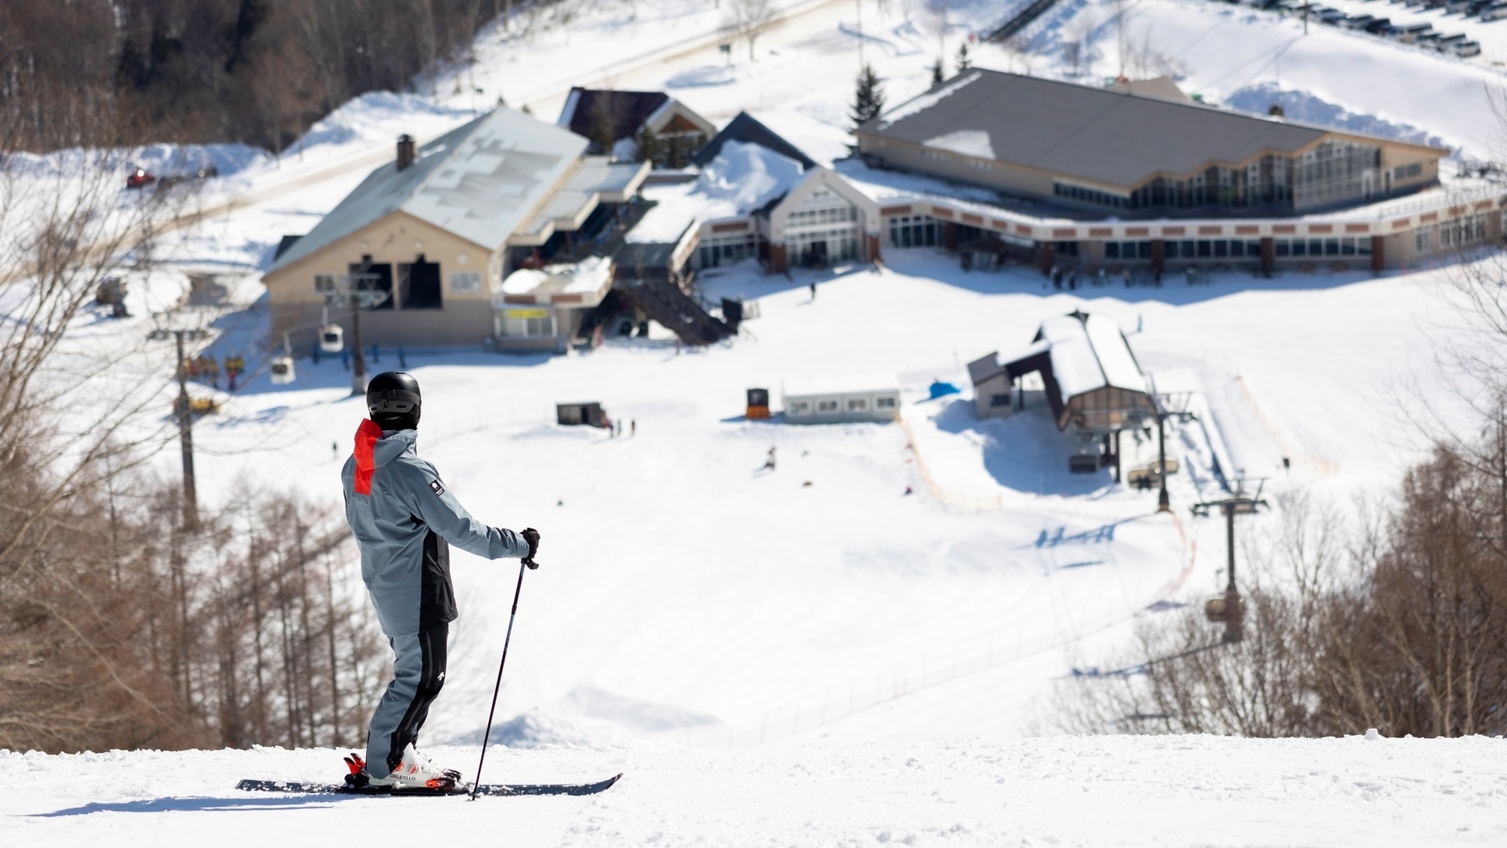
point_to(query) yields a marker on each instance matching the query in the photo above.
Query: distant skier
(769, 460)
(402, 516)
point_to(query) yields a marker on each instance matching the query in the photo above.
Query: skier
(402, 516)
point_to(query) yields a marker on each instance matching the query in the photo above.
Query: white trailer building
(833, 400)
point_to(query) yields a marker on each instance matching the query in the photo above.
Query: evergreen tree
(869, 101)
(936, 72)
(964, 60)
(649, 147)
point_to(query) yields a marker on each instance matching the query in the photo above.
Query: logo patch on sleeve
(437, 487)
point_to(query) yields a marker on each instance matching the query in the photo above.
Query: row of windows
(821, 217)
(1462, 232)
(913, 231)
(1344, 246)
(1089, 195)
(461, 282)
(726, 250)
(1407, 172)
(1240, 248)
(831, 406)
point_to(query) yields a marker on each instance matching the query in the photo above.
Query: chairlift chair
(282, 370)
(332, 339)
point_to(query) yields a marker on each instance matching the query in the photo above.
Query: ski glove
(531, 536)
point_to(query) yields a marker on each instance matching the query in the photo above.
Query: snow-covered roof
(480, 181)
(840, 385)
(1088, 353)
(741, 179)
(577, 284)
(746, 176)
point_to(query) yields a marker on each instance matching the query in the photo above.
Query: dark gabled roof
(746, 128)
(624, 111)
(1108, 137)
(282, 246)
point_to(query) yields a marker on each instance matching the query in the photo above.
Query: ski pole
(528, 562)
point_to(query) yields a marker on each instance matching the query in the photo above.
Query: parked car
(1328, 16)
(200, 174)
(1409, 33)
(1468, 48)
(1379, 26)
(1355, 21)
(1446, 43)
(140, 178)
(1493, 12)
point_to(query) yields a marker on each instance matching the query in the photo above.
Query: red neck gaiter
(366, 439)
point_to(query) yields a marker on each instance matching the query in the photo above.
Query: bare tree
(1078, 41)
(748, 19)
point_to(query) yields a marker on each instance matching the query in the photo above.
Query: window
(800, 407)
(884, 403)
(526, 323)
(465, 282)
(1423, 240)
(826, 406)
(324, 283)
(994, 400)
(858, 404)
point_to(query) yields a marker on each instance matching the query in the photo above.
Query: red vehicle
(139, 178)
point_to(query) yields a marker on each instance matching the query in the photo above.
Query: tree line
(1394, 620)
(121, 624)
(110, 73)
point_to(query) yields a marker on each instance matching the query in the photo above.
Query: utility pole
(358, 360)
(186, 440)
(359, 298)
(861, 65)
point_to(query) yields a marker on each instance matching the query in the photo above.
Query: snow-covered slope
(888, 610)
(1059, 791)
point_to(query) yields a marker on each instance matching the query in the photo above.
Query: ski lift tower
(355, 291)
(1228, 609)
(180, 325)
(1167, 405)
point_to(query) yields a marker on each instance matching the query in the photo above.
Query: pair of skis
(484, 789)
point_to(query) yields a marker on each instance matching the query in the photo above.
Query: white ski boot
(416, 772)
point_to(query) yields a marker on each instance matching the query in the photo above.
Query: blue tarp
(939, 388)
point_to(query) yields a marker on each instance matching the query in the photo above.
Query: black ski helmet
(393, 400)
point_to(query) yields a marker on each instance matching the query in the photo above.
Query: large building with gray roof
(1134, 178)
(433, 233)
(1113, 150)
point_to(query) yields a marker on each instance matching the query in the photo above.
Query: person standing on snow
(402, 517)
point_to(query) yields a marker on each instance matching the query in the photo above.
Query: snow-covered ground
(1114, 791)
(813, 655)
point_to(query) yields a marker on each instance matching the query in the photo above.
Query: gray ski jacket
(402, 516)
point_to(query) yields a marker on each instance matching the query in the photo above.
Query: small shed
(590, 413)
(1090, 376)
(758, 404)
(832, 400)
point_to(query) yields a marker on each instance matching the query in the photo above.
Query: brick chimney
(407, 153)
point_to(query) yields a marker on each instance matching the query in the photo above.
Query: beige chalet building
(436, 231)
